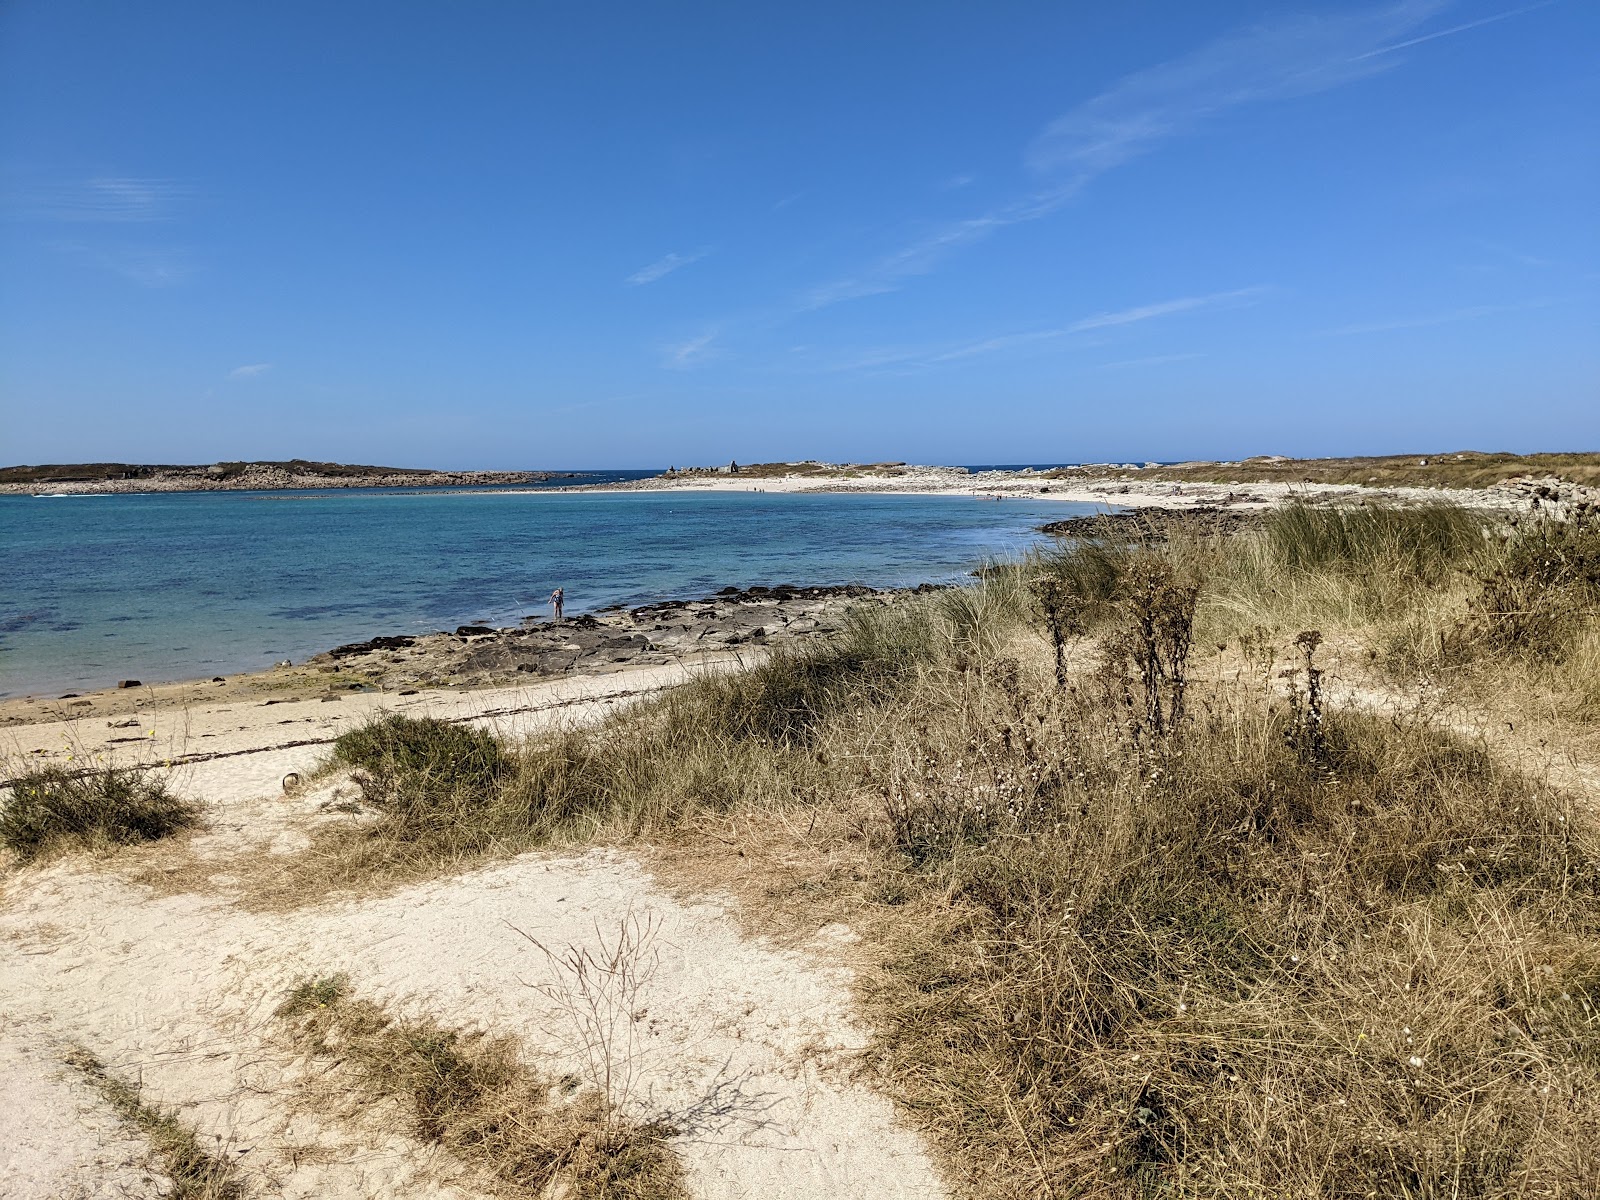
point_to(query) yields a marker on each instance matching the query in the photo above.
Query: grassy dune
(1467, 469)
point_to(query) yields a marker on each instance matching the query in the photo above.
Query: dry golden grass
(1217, 968)
(1465, 469)
(475, 1096)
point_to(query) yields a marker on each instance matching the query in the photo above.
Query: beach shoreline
(736, 624)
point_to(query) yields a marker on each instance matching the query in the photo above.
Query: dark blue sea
(165, 586)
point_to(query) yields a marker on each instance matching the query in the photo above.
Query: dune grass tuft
(716, 743)
(476, 1097)
(52, 808)
(196, 1173)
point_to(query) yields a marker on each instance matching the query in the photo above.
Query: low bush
(413, 759)
(52, 807)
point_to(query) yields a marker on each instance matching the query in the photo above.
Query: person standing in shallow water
(558, 600)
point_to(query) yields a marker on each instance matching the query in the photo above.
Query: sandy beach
(1115, 488)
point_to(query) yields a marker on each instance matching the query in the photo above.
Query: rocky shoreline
(718, 628)
(608, 640)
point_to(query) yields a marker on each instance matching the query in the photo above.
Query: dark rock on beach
(377, 643)
(1156, 524)
(609, 640)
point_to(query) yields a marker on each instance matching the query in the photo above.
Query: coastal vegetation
(194, 1172)
(238, 475)
(1157, 902)
(1463, 469)
(63, 472)
(476, 1097)
(52, 808)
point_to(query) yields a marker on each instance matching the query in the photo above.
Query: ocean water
(94, 589)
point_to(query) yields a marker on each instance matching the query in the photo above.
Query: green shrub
(115, 806)
(419, 765)
(1544, 589)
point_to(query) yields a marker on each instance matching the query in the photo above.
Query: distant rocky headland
(81, 478)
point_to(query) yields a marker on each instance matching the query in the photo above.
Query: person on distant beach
(558, 599)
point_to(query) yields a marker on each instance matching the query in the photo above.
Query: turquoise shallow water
(175, 586)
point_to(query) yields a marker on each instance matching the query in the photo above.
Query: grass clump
(196, 1173)
(1423, 545)
(413, 763)
(53, 808)
(473, 1095)
(1543, 592)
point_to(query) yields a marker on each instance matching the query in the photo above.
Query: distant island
(79, 478)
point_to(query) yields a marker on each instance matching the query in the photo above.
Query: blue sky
(519, 234)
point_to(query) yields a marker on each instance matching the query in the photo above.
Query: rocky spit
(259, 477)
(613, 639)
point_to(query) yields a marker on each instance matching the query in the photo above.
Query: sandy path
(1533, 757)
(757, 1042)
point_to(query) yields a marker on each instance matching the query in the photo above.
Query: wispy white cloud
(1431, 319)
(922, 255)
(249, 370)
(954, 352)
(106, 199)
(690, 353)
(1462, 28)
(151, 266)
(1520, 257)
(1153, 360)
(1236, 298)
(1275, 60)
(663, 267)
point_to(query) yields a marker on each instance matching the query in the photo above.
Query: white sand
(178, 990)
(1126, 491)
